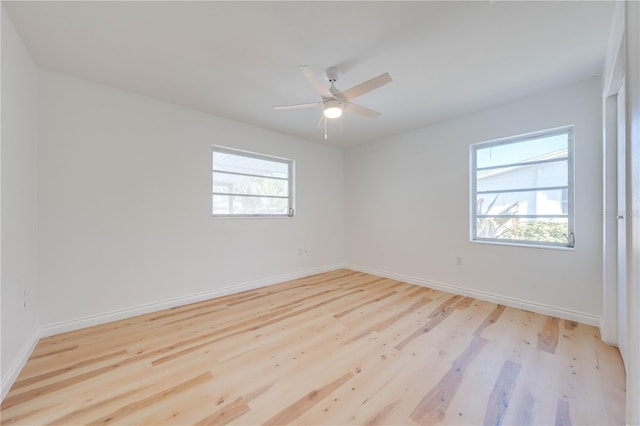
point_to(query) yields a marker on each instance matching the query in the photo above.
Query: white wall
(19, 224)
(407, 208)
(125, 204)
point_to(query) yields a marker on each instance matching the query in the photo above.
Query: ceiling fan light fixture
(332, 108)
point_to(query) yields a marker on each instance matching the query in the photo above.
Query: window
(248, 184)
(522, 189)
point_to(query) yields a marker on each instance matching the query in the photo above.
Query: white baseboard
(18, 363)
(540, 308)
(75, 324)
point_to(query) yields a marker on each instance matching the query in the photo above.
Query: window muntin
(250, 184)
(522, 189)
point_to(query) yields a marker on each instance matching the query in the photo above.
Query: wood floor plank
(342, 347)
(548, 337)
(434, 404)
(296, 409)
(500, 398)
(563, 417)
(405, 387)
(370, 376)
(54, 352)
(524, 406)
(382, 325)
(18, 398)
(74, 416)
(19, 384)
(156, 398)
(491, 319)
(226, 414)
(437, 316)
(300, 379)
(374, 300)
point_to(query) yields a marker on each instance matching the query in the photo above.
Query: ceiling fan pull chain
(325, 129)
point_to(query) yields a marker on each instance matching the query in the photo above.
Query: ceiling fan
(334, 102)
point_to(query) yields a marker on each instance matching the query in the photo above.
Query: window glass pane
(565, 201)
(554, 173)
(517, 152)
(240, 184)
(230, 204)
(549, 202)
(250, 184)
(518, 229)
(223, 161)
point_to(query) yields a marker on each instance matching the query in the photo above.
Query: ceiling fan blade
(316, 81)
(298, 106)
(360, 110)
(366, 87)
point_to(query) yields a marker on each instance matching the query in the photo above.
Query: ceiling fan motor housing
(332, 74)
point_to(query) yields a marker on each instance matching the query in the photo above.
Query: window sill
(534, 246)
(251, 216)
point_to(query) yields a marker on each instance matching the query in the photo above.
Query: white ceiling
(237, 59)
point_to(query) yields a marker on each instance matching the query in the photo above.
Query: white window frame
(568, 130)
(290, 182)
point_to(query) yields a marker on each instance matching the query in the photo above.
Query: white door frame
(621, 222)
(612, 85)
(609, 325)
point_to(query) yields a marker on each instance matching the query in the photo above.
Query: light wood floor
(336, 348)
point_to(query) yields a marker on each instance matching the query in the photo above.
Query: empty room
(320, 213)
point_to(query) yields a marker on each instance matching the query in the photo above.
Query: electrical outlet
(459, 261)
